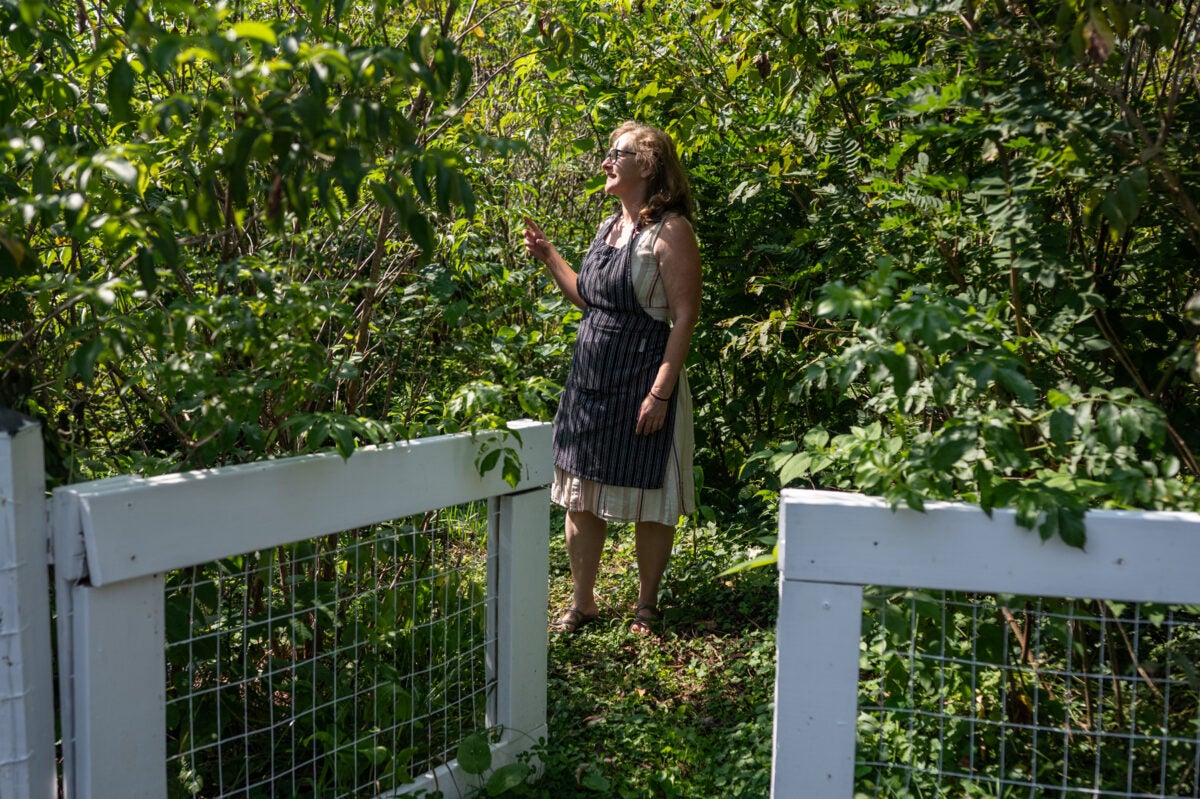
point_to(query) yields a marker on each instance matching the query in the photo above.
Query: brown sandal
(573, 620)
(646, 619)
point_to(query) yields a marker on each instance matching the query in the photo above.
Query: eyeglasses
(614, 154)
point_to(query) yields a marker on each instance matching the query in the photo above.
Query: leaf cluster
(222, 229)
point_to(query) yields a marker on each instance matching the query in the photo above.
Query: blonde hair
(668, 189)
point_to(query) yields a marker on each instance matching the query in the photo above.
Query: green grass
(687, 713)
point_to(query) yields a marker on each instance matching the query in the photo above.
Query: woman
(623, 437)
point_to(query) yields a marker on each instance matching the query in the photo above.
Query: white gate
(116, 540)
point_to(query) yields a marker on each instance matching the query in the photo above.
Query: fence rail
(833, 545)
(116, 540)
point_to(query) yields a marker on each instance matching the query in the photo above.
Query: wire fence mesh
(338, 666)
(1002, 696)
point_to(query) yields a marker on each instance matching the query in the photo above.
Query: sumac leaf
(1062, 426)
(951, 445)
(1108, 424)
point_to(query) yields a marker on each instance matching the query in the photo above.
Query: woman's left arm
(678, 256)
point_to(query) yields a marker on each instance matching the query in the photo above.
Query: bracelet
(660, 399)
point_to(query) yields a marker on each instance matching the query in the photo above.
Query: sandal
(646, 619)
(573, 620)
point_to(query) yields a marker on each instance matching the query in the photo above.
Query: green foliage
(220, 228)
(1000, 442)
(973, 292)
(268, 233)
(918, 241)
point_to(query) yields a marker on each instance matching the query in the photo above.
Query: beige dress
(677, 497)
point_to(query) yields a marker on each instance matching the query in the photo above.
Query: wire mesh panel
(984, 695)
(338, 666)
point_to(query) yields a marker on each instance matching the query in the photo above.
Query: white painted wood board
(1136, 556)
(816, 690)
(120, 691)
(521, 590)
(152, 525)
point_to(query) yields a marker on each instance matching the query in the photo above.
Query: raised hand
(536, 242)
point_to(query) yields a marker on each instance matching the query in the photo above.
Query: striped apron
(618, 351)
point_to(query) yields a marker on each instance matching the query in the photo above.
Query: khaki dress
(676, 497)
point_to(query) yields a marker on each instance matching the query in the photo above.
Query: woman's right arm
(540, 247)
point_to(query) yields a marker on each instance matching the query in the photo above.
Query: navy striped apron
(618, 351)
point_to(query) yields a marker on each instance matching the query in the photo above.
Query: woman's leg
(585, 545)
(654, 542)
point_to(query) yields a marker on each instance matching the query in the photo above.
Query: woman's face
(624, 177)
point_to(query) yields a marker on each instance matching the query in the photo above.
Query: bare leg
(585, 545)
(654, 542)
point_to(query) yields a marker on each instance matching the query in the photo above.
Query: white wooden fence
(831, 545)
(113, 540)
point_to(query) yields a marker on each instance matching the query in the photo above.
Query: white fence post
(119, 690)
(522, 545)
(27, 762)
(818, 634)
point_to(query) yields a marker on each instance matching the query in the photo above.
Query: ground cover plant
(684, 713)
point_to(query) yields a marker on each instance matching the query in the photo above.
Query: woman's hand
(540, 248)
(536, 242)
(651, 416)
